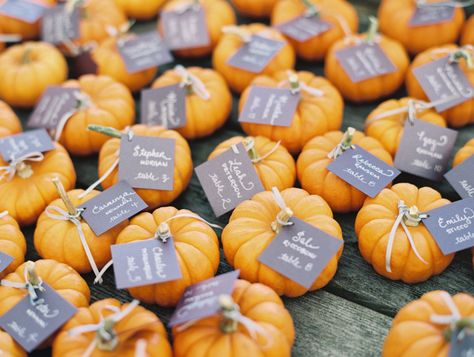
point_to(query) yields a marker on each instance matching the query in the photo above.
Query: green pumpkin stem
(106, 337)
(463, 53)
(112, 132)
(71, 209)
(31, 274)
(311, 9)
(26, 56)
(282, 216)
(464, 323)
(228, 324)
(373, 29)
(252, 152)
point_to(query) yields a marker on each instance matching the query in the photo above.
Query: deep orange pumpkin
(12, 243)
(9, 122)
(464, 153)
(139, 9)
(467, 37)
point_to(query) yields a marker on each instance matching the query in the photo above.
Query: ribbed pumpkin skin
(464, 153)
(112, 105)
(9, 347)
(12, 243)
(139, 324)
(27, 69)
(255, 9)
(457, 116)
(338, 13)
(139, 9)
(203, 117)
(277, 170)
(416, 39)
(59, 240)
(26, 198)
(315, 178)
(197, 250)
(313, 116)
(373, 88)
(414, 334)
(467, 36)
(389, 130)
(249, 232)
(9, 122)
(238, 79)
(257, 302)
(374, 222)
(218, 14)
(183, 165)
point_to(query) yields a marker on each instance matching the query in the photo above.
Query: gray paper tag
(462, 343)
(165, 106)
(59, 25)
(363, 170)
(31, 324)
(303, 28)
(5, 261)
(144, 51)
(111, 207)
(300, 252)
(461, 178)
(255, 55)
(431, 15)
(15, 146)
(363, 61)
(23, 10)
(424, 149)
(444, 83)
(202, 299)
(147, 162)
(229, 179)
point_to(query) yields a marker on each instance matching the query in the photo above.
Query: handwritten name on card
(431, 15)
(59, 25)
(165, 106)
(304, 28)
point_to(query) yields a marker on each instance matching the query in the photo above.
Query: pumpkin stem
(106, 337)
(112, 132)
(249, 144)
(31, 274)
(373, 28)
(464, 323)
(463, 53)
(294, 81)
(228, 324)
(163, 232)
(344, 145)
(311, 9)
(282, 218)
(24, 170)
(26, 56)
(64, 197)
(413, 217)
(245, 35)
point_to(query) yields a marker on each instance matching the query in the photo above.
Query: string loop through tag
(344, 145)
(249, 145)
(32, 283)
(296, 86)
(283, 217)
(192, 82)
(20, 167)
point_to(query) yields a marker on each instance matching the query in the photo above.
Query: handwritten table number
(461, 178)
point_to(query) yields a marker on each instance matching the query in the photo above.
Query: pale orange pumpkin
(12, 243)
(9, 347)
(464, 153)
(467, 36)
(139, 9)
(255, 9)
(9, 122)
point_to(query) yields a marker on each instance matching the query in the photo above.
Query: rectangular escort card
(255, 55)
(145, 262)
(461, 178)
(5, 261)
(147, 162)
(364, 61)
(165, 106)
(462, 343)
(363, 170)
(431, 15)
(452, 226)
(185, 29)
(140, 52)
(31, 324)
(304, 28)
(271, 106)
(15, 146)
(23, 10)
(424, 149)
(202, 299)
(229, 179)
(112, 207)
(300, 252)
(59, 25)
(444, 83)
(55, 102)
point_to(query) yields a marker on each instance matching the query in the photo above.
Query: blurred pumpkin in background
(139, 9)
(9, 122)
(12, 243)
(10, 347)
(467, 36)
(464, 153)
(255, 9)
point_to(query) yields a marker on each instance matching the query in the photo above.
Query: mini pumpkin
(252, 228)
(394, 256)
(26, 187)
(221, 335)
(274, 164)
(206, 111)
(255, 9)
(9, 347)
(238, 79)
(467, 36)
(340, 14)
(9, 122)
(138, 333)
(464, 153)
(415, 333)
(27, 69)
(140, 10)
(315, 178)
(461, 114)
(12, 243)
(183, 165)
(417, 39)
(388, 128)
(218, 14)
(375, 87)
(197, 250)
(320, 109)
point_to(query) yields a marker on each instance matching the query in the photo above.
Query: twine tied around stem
(249, 145)
(192, 83)
(121, 33)
(282, 218)
(344, 145)
(32, 284)
(296, 86)
(20, 167)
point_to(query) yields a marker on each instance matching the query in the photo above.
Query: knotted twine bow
(283, 217)
(19, 165)
(32, 283)
(313, 10)
(249, 145)
(192, 82)
(344, 145)
(425, 3)
(407, 216)
(120, 33)
(455, 55)
(296, 86)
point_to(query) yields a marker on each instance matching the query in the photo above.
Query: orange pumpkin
(255, 9)
(274, 165)
(9, 122)
(459, 115)
(140, 10)
(375, 221)
(27, 69)
(373, 88)
(467, 37)
(238, 79)
(203, 115)
(30, 189)
(122, 338)
(12, 243)
(464, 153)
(9, 347)
(388, 129)
(311, 168)
(197, 251)
(183, 165)
(103, 102)
(252, 228)
(340, 14)
(315, 114)
(413, 332)
(218, 14)
(417, 39)
(220, 334)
